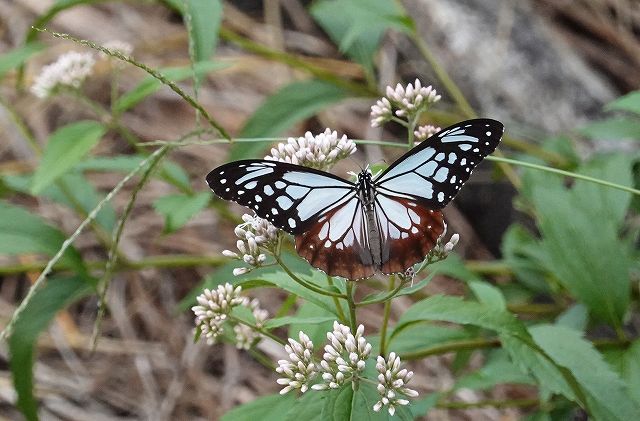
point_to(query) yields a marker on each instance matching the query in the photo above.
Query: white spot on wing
(284, 202)
(441, 175)
(267, 190)
(292, 222)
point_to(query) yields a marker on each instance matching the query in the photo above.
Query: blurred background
(542, 67)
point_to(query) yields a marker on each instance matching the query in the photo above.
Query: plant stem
(161, 261)
(385, 317)
(352, 305)
(336, 302)
(67, 243)
(258, 329)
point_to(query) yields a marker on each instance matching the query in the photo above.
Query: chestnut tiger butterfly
(385, 223)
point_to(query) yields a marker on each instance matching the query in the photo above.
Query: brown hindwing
(404, 245)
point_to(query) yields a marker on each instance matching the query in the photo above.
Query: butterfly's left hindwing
(290, 196)
(433, 172)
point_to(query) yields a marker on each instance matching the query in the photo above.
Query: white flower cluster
(407, 101)
(71, 69)
(253, 234)
(344, 360)
(300, 369)
(344, 356)
(422, 133)
(215, 305)
(321, 151)
(392, 384)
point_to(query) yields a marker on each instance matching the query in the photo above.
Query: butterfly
(385, 223)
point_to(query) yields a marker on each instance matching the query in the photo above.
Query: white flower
(425, 132)
(259, 313)
(253, 234)
(213, 308)
(245, 336)
(381, 112)
(412, 99)
(300, 369)
(71, 69)
(392, 384)
(321, 151)
(451, 243)
(344, 357)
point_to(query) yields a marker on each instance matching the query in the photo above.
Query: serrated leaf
(629, 102)
(149, 84)
(289, 105)
(177, 209)
(307, 407)
(525, 256)
(614, 128)
(575, 317)
(266, 408)
(606, 393)
(631, 370)
(17, 57)
(66, 147)
(570, 219)
(422, 336)
(513, 336)
(24, 233)
(57, 294)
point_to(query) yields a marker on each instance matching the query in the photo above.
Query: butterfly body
(386, 223)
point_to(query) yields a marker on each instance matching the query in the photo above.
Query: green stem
(113, 250)
(382, 299)
(287, 304)
(385, 318)
(565, 173)
(304, 283)
(67, 243)
(352, 305)
(336, 302)
(156, 74)
(446, 81)
(258, 329)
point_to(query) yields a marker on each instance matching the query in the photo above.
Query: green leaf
(580, 235)
(404, 291)
(291, 104)
(317, 332)
(149, 84)
(22, 232)
(631, 370)
(607, 396)
(513, 336)
(358, 27)
(525, 256)
(65, 147)
(266, 408)
(575, 317)
(57, 294)
(420, 336)
(288, 320)
(308, 407)
(177, 209)
(497, 370)
(205, 17)
(614, 128)
(421, 407)
(17, 57)
(629, 102)
(78, 192)
(337, 404)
